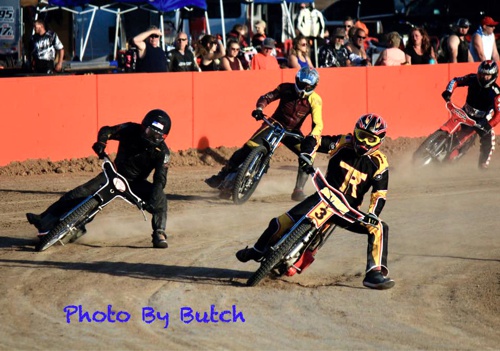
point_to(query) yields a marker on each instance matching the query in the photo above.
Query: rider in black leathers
(483, 95)
(141, 150)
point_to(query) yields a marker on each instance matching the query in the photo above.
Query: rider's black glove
(98, 148)
(371, 219)
(306, 163)
(484, 125)
(446, 95)
(258, 114)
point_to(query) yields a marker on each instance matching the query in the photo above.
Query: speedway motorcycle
(297, 248)
(72, 225)
(240, 184)
(450, 142)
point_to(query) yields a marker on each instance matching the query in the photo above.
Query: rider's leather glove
(446, 95)
(484, 125)
(371, 219)
(98, 148)
(306, 163)
(257, 114)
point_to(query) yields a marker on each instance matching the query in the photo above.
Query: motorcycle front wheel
(275, 257)
(246, 181)
(431, 149)
(67, 225)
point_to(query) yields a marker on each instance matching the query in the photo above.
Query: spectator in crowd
(181, 59)
(356, 48)
(265, 59)
(45, 48)
(151, 58)
(483, 45)
(334, 54)
(239, 33)
(419, 49)
(392, 55)
(348, 24)
(299, 55)
(260, 34)
(455, 48)
(210, 50)
(310, 22)
(231, 62)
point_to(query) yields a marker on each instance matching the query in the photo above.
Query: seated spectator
(238, 33)
(348, 24)
(151, 57)
(181, 59)
(265, 59)
(334, 54)
(231, 62)
(419, 49)
(356, 48)
(299, 55)
(210, 50)
(393, 55)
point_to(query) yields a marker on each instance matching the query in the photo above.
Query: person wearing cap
(264, 59)
(151, 57)
(334, 54)
(455, 47)
(483, 45)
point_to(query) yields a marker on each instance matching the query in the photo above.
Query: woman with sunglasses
(299, 55)
(151, 57)
(356, 165)
(231, 62)
(209, 52)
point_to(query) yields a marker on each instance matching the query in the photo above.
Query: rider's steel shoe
(214, 181)
(248, 254)
(298, 195)
(159, 239)
(376, 280)
(36, 220)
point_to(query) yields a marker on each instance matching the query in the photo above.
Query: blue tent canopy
(161, 5)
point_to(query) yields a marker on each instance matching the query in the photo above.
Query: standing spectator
(348, 24)
(209, 51)
(299, 55)
(356, 48)
(231, 62)
(265, 59)
(260, 35)
(151, 58)
(181, 59)
(393, 55)
(45, 47)
(334, 54)
(419, 49)
(310, 22)
(483, 45)
(454, 47)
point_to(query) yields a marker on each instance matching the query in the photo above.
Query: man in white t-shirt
(483, 46)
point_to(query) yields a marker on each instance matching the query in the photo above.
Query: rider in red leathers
(483, 95)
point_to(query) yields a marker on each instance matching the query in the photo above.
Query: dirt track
(444, 255)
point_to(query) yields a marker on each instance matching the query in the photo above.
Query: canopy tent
(118, 7)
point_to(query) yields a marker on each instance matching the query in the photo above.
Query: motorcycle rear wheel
(275, 257)
(436, 142)
(66, 225)
(245, 183)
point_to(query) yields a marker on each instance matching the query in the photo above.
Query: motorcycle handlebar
(271, 122)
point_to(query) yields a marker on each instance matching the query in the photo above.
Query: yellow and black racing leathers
(354, 176)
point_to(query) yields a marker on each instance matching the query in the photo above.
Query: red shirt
(261, 61)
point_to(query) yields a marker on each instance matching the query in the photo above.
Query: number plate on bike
(320, 213)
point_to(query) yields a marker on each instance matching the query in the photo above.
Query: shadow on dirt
(199, 275)
(32, 192)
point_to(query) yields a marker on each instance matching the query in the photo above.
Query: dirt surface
(443, 254)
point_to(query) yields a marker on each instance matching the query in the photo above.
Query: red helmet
(369, 132)
(487, 73)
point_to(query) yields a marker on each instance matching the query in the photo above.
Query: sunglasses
(491, 26)
(361, 37)
(235, 49)
(154, 36)
(367, 138)
(181, 39)
(339, 37)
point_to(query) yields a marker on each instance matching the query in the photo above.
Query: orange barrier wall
(58, 117)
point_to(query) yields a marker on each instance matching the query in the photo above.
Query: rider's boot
(42, 223)
(374, 279)
(216, 180)
(298, 192)
(159, 239)
(248, 254)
